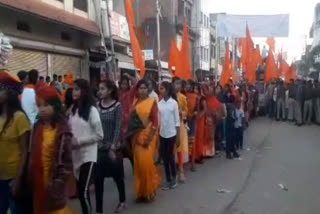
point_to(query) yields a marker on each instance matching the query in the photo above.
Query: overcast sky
(301, 18)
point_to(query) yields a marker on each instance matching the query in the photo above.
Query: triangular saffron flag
(185, 71)
(271, 67)
(227, 69)
(138, 58)
(272, 43)
(174, 58)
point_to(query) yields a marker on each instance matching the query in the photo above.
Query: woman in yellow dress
(183, 147)
(50, 158)
(142, 132)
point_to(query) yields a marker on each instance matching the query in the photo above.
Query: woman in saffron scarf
(192, 102)
(214, 115)
(51, 157)
(142, 132)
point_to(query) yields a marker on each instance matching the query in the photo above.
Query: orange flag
(285, 71)
(272, 43)
(291, 73)
(248, 55)
(185, 71)
(227, 69)
(138, 58)
(174, 58)
(271, 67)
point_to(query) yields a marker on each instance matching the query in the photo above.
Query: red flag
(185, 71)
(227, 69)
(285, 71)
(271, 67)
(174, 58)
(138, 58)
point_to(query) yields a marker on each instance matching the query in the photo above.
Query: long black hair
(111, 86)
(86, 101)
(169, 89)
(13, 106)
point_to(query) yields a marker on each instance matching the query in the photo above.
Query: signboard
(259, 25)
(119, 26)
(148, 54)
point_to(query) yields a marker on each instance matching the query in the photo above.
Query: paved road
(275, 153)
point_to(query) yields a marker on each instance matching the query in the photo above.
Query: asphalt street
(278, 173)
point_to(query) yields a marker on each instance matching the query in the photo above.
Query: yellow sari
(183, 109)
(143, 120)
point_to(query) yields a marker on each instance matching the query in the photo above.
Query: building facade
(52, 36)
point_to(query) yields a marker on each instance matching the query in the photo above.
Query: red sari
(201, 135)
(126, 99)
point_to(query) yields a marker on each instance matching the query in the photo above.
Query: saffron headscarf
(10, 81)
(50, 95)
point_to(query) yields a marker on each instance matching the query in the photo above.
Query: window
(81, 5)
(202, 53)
(201, 18)
(23, 26)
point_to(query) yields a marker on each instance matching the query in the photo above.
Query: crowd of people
(298, 101)
(51, 131)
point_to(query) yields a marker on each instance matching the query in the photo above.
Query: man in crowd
(281, 96)
(28, 98)
(307, 109)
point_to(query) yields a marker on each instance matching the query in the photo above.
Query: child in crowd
(239, 126)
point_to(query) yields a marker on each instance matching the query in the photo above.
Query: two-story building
(52, 36)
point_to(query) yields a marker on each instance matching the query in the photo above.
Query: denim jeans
(6, 198)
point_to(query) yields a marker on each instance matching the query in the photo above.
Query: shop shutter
(62, 63)
(26, 60)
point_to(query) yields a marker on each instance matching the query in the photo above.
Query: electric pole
(158, 38)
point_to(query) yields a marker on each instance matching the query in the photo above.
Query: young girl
(86, 127)
(51, 156)
(169, 132)
(14, 136)
(108, 164)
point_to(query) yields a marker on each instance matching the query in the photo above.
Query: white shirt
(85, 132)
(239, 118)
(154, 95)
(29, 105)
(169, 118)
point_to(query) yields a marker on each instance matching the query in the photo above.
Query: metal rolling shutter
(26, 60)
(61, 63)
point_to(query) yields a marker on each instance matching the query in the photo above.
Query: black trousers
(108, 168)
(87, 171)
(239, 138)
(230, 140)
(168, 156)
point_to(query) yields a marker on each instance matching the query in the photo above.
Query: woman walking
(109, 164)
(14, 136)
(51, 155)
(86, 127)
(192, 102)
(169, 132)
(142, 131)
(182, 147)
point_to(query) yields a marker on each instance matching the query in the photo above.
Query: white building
(201, 24)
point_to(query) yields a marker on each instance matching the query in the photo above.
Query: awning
(125, 62)
(52, 13)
